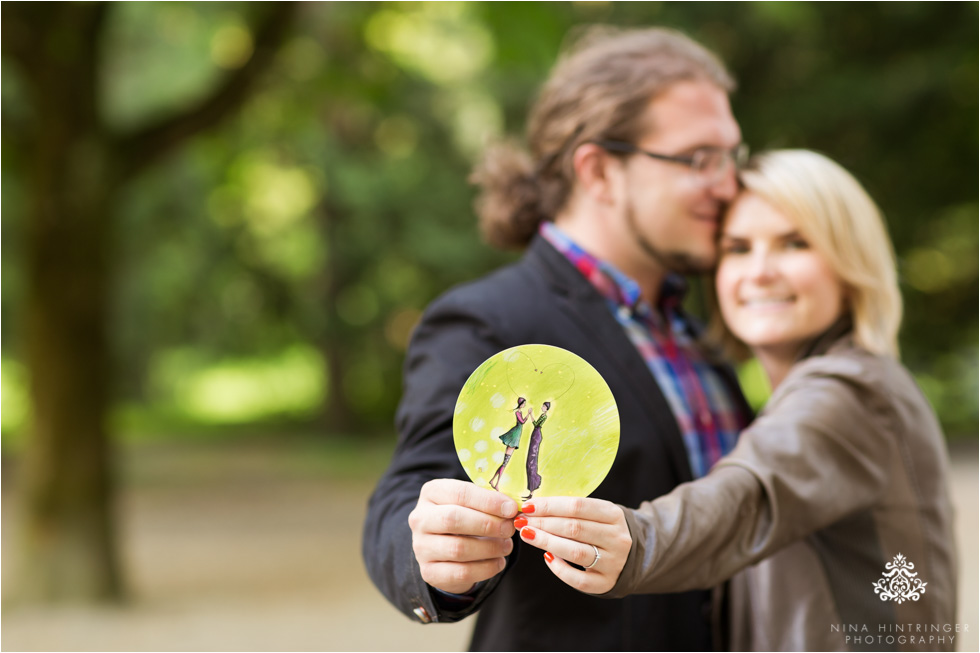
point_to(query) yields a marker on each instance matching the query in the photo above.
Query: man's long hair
(599, 89)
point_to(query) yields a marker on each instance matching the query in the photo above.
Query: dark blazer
(542, 299)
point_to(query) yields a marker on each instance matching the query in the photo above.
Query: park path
(242, 546)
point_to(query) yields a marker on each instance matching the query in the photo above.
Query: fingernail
(507, 508)
(527, 533)
(548, 556)
(520, 523)
(528, 508)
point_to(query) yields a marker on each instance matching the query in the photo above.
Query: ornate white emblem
(899, 582)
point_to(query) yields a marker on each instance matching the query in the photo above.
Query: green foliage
(755, 383)
(317, 224)
(14, 401)
(191, 44)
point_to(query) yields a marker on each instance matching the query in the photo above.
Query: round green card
(535, 421)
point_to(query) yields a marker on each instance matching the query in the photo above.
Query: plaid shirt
(708, 417)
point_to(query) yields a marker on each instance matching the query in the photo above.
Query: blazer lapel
(583, 304)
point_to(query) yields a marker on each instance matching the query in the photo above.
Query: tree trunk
(335, 342)
(76, 169)
(69, 550)
(67, 544)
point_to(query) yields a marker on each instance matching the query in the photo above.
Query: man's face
(670, 211)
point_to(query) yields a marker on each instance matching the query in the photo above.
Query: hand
(567, 528)
(461, 533)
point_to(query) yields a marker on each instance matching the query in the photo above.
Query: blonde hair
(841, 221)
(599, 89)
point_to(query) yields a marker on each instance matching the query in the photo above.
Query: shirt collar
(611, 283)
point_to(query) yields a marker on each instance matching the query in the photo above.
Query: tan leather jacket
(844, 470)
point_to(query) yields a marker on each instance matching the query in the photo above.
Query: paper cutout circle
(568, 454)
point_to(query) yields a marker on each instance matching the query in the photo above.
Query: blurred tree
(328, 213)
(76, 167)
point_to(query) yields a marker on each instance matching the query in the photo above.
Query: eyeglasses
(712, 162)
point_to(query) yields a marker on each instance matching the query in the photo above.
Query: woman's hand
(592, 533)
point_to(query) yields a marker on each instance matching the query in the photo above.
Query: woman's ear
(595, 171)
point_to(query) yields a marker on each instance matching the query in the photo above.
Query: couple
(633, 178)
(512, 440)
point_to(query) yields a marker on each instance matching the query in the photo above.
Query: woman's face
(776, 293)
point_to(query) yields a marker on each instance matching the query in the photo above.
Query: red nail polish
(527, 533)
(520, 523)
(528, 509)
(548, 556)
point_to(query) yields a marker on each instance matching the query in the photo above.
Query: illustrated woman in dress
(533, 478)
(512, 439)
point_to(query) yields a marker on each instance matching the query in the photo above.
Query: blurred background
(221, 221)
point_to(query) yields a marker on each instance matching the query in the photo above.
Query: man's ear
(596, 172)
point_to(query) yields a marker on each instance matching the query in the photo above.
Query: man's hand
(461, 533)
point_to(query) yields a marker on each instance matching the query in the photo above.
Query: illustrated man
(633, 154)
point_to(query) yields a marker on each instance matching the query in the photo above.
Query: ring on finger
(597, 557)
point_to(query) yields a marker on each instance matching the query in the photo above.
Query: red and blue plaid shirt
(708, 416)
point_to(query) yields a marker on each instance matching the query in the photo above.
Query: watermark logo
(899, 583)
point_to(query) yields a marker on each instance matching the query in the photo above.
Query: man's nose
(725, 187)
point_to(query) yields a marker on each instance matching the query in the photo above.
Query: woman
(534, 448)
(511, 440)
(831, 515)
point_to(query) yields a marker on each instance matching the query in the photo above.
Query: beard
(682, 262)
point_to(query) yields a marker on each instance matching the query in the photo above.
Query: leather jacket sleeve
(819, 452)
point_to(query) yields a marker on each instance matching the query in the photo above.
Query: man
(633, 156)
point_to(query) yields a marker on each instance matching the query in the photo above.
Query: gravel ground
(242, 547)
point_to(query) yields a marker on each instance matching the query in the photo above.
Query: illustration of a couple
(512, 440)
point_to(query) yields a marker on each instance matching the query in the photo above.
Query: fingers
(455, 563)
(584, 581)
(601, 573)
(452, 507)
(461, 533)
(589, 521)
(579, 530)
(460, 577)
(456, 520)
(578, 552)
(461, 549)
(590, 533)
(446, 491)
(573, 539)
(597, 510)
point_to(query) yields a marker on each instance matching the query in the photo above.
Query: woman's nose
(762, 265)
